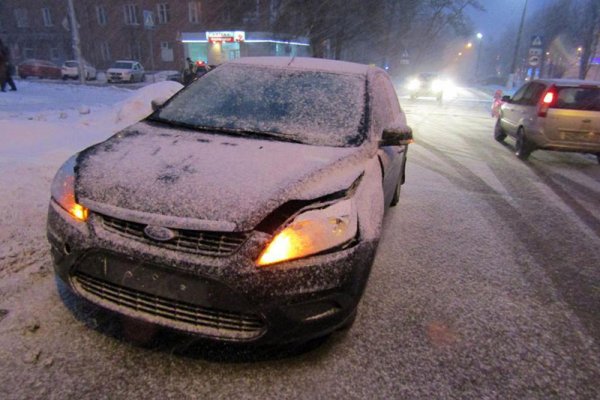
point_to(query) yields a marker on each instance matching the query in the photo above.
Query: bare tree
(589, 34)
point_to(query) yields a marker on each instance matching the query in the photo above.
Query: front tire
(499, 133)
(396, 197)
(523, 146)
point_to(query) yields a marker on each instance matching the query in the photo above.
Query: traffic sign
(534, 61)
(148, 19)
(536, 41)
(535, 51)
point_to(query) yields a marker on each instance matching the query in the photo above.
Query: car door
(387, 114)
(511, 110)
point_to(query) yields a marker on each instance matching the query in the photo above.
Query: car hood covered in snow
(209, 181)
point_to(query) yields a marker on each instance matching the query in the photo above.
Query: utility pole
(479, 46)
(513, 67)
(75, 40)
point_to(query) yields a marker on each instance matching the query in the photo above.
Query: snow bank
(46, 122)
(139, 106)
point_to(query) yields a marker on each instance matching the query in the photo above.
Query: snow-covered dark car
(246, 208)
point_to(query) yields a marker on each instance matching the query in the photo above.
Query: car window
(533, 94)
(308, 106)
(518, 96)
(70, 63)
(578, 98)
(122, 65)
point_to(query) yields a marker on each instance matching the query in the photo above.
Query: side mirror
(506, 99)
(396, 137)
(156, 104)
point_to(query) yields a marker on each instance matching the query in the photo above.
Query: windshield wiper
(228, 131)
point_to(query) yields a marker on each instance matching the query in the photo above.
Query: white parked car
(125, 71)
(70, 70)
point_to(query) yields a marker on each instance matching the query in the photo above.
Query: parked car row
(120, 71)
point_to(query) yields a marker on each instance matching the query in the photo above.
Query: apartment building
(159, 33)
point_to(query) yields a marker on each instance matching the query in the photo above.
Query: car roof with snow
(307, 63)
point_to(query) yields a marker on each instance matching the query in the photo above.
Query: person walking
(189, 72)
(9, 69)
(3, 65)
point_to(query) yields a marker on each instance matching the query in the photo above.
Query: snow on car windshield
(308, 106)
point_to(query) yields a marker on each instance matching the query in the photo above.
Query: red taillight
(548, 100)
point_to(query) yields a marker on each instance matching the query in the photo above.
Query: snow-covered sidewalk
(41, 125)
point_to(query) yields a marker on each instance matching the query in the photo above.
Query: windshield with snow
(305, 106)
(122, 65)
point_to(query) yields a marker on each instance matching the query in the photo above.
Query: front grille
(172, 313)
(216, 244)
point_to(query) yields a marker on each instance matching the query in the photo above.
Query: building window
(101, 15)
(130, 12)
(47, 16)
(194, 10)
(54, 53)
(21, 17)
(105, 51)
(163, 13)
(166, 51)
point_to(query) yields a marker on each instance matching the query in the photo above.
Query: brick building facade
(112, 30)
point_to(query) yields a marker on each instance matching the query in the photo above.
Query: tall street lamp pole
(513, 67)
(76, 42)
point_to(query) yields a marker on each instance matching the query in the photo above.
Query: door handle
(586, 121)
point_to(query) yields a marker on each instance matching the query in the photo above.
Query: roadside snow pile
(74, 117)
(139, 105)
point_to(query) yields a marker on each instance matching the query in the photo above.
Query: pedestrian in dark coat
(3, 64)
(189, 72)
(8, 69)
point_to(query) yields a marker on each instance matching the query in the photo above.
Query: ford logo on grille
(159, 233)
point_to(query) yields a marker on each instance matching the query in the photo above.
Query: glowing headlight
(413, 84)
(438, 85)
(63, 190)
(313, 232)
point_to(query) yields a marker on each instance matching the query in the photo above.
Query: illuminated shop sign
(226, 36)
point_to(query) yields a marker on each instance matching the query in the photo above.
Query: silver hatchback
(552, 114)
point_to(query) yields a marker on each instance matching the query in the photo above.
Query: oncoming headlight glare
(413, 84)
(312, 232)
(63, 190)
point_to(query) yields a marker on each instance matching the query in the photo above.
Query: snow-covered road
(485, 284)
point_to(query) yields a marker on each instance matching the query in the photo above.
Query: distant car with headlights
(39, 69)
(70, 70)
(552, 114)
(125, 71)
(427, 84)
(247, 208)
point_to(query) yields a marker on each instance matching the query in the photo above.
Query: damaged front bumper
(225, 298)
